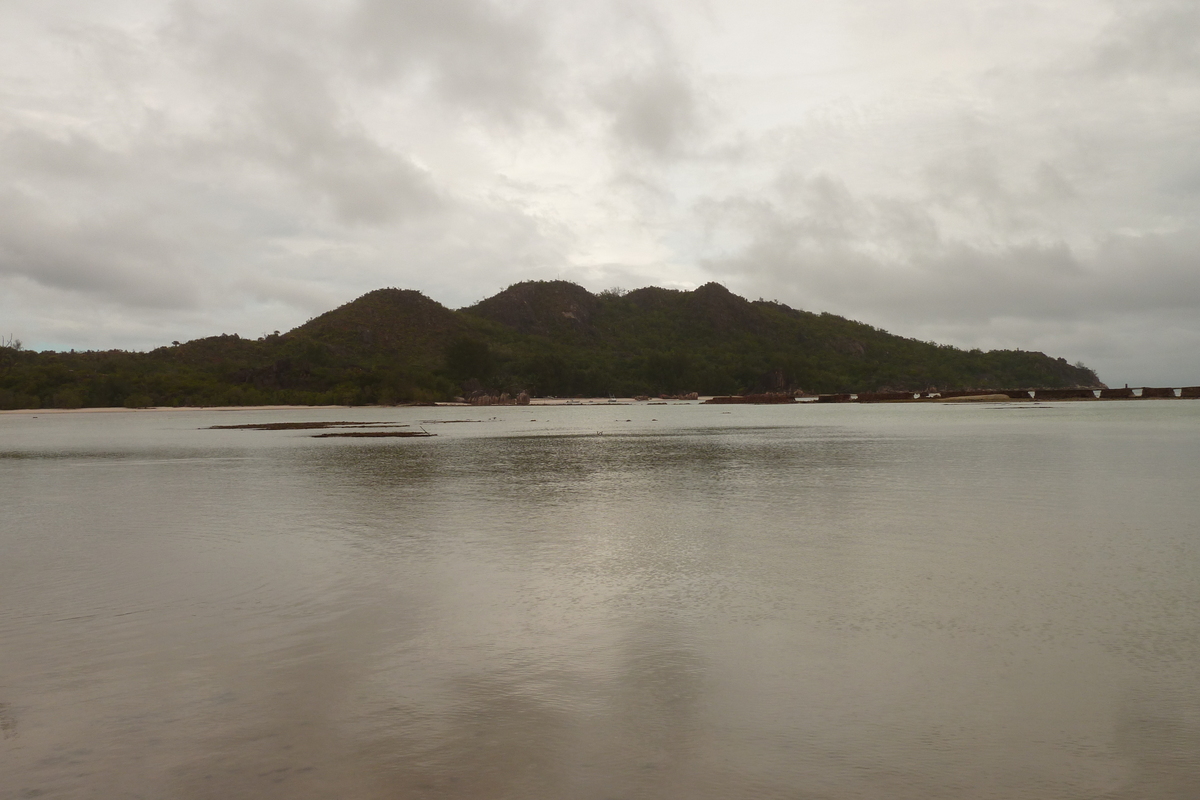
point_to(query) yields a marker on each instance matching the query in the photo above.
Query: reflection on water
(795, 602)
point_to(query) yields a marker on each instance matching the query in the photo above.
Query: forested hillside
(542, 337)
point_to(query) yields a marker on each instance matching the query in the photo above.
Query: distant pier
(1143, 393)
(981, 395)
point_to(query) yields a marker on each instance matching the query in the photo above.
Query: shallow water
(836, 601)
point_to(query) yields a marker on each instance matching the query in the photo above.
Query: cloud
(488, 58)
(231, 134)
(654, 111)
(897, 261)
(1013, 175)
(59, 227)
(276, 107)
(1156, 37)
(114, 253)
(893, 255)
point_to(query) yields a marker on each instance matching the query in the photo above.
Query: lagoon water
(683, 601)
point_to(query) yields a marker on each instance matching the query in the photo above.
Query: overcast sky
(988, 174)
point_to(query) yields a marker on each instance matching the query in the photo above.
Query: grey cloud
(72, 157)
(1051, 186)
(1048, 204)
(1127, 310)
(215, 195)
(296, 128)
(502, 247)
(111, 254)
(655, 110)
(279, 110)
(487, 57)
(887, 256)
(1138, 348)
(1154, 36)
(816, 214)
(970, 176)
(307, 295)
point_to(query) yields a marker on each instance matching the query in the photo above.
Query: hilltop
(542, 337)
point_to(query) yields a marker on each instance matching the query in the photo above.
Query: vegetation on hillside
(543, 337)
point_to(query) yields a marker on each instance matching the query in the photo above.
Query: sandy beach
(537, 401)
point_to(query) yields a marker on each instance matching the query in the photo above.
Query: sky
(999, 174)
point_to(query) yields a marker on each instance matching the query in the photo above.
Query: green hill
(544, 337)
(560, 339)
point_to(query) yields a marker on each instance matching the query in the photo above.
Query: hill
(710, 340)
(544, 337)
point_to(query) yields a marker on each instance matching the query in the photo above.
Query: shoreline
(156, 409)
(583, 402)
(545, 401)
(535, 401)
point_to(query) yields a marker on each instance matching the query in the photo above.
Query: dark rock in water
(373, 435)
(1110, 394)
(1157, 392)
(884, 397)
(1190, 391)
(770, 398)
(302, 426)
(834, 398)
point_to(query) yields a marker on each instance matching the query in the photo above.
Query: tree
(468, 358)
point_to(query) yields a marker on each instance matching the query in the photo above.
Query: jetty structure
(982, 395)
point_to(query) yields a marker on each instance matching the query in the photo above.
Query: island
(535, 338)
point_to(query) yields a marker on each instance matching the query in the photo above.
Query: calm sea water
(802, 602)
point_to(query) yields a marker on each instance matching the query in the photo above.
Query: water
(801, 602)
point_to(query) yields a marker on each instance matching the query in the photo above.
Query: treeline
(246, 373)
(546, 338)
